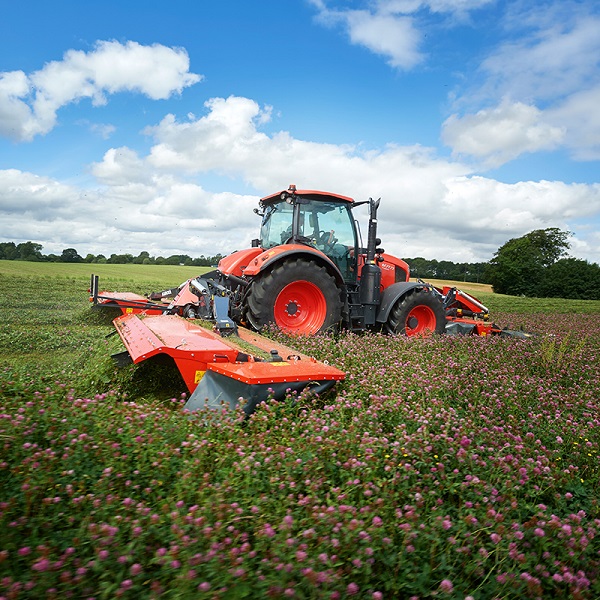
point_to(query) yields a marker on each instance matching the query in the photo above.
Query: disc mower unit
(219, 369)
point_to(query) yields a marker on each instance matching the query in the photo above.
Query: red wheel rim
(300, 307)
(420, 320)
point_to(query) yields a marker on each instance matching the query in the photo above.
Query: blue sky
(131, 126)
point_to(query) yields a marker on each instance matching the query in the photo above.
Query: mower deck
(216, 368)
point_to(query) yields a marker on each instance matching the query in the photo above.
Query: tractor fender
(391, 295)
(280, 253)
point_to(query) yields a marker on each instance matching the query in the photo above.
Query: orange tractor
(310, 272)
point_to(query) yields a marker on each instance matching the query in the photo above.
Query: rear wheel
(419, 313)
(299, 296)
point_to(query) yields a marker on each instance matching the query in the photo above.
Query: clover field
(450, 467)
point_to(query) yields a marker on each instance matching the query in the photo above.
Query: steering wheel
(327, 239)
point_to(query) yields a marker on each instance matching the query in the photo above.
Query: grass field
(441, 468)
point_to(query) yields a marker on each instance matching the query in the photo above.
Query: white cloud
(392, 36)
(430, 206)
(230, 127)
(385, 31)
(393, 29)
(548, 63)
(120, 166)
(502, 133)
(579, 116)
(29, 104)
(104, 130)
(548, 73)
(21, 193)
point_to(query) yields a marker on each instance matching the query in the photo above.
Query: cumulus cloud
(29, 103)
(547, 62)
(500, 134)
(547, 72)
(389, 35)
(391, 28)
(579, 117)
(431, 206)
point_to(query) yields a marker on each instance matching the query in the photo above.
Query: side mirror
(256, 243)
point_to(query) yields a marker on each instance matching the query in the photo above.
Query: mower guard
(220, 370)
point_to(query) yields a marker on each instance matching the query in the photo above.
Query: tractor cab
(318, 219)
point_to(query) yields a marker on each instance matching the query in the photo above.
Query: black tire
(298, 295)
(419, 313)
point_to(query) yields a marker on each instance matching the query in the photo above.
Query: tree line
(31, 251)
(534, 265)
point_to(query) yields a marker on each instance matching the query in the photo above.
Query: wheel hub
(292, 308)
(412, 322)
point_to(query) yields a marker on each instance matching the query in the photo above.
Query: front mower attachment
(223, 370)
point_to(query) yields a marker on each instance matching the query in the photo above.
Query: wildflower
(446, 586)
(352, 589)
(268, 529)
(41, 565)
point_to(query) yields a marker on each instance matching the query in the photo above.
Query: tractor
(309, 272)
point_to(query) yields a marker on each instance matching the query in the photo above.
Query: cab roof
(309, 194)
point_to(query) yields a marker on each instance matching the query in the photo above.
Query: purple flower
(446, 586)
(41, 565)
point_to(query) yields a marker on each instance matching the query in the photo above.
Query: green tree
(120, 259)
(30, 251)
(143, 258)
(8, 251)
(518, 267)
(572, 278)
(70, 255)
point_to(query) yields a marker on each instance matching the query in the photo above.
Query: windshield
(276, 226)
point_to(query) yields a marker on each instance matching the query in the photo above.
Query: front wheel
(299, 296)
(418, 313)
